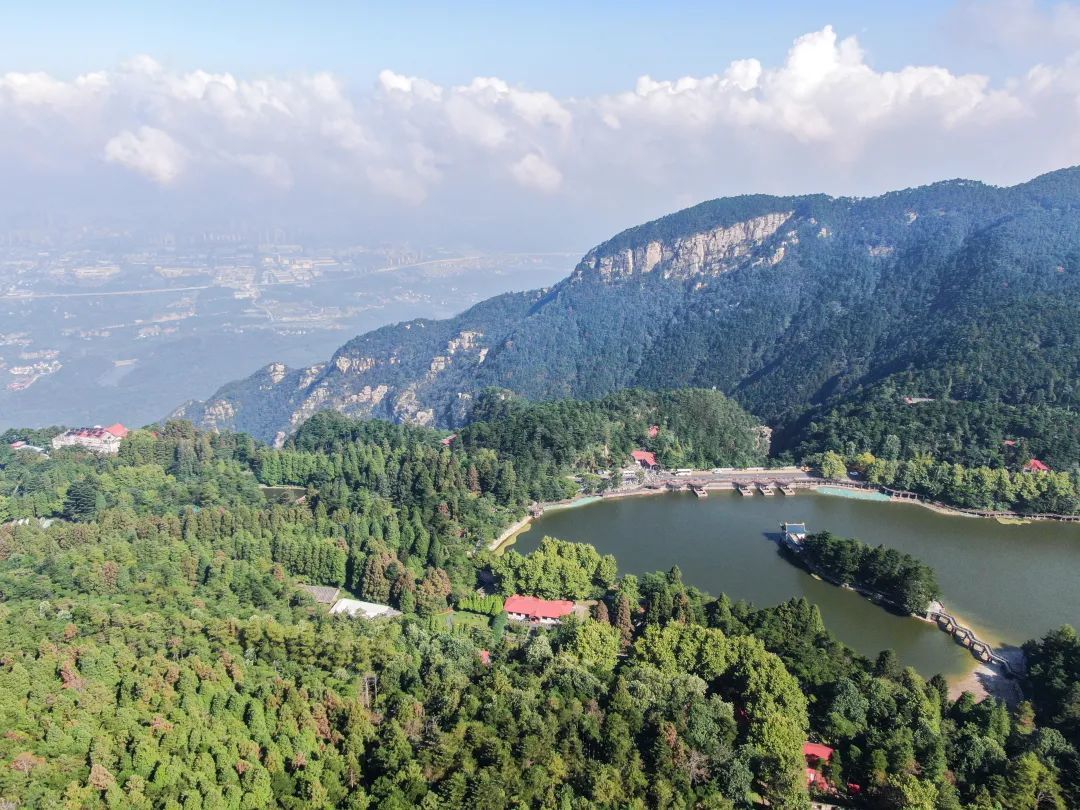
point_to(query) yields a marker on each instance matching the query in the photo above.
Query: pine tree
(432, 592)
(83, 500)
(376, 585)
(623, 620)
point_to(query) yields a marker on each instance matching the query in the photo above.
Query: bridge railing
(963, 632)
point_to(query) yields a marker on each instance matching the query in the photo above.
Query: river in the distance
(1009, 582)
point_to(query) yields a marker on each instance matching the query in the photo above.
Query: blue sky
(566, 47)
(523, 124)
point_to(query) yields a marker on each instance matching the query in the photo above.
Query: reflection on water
(1008, 582)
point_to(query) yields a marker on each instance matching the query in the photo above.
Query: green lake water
(1009, 582)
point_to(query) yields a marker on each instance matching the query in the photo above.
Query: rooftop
(540, 608)
(817, 751)
(365, 610)
(323, 594)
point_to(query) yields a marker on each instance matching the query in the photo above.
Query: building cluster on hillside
(99, 439)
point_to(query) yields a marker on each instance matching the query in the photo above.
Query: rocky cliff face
(710, 252)
(389, 373)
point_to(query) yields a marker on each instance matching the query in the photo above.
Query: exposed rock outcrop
(709, 252)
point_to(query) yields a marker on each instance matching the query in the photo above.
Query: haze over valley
(95, 330)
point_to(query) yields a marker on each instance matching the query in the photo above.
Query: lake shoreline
(713, 540)
(505, 538)
(500, 543)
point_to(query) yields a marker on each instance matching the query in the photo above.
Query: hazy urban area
(104, 326)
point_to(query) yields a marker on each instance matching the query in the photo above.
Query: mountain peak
(788, 303)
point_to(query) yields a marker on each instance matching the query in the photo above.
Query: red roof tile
(644, 456)
(817, 751)
(1036, 466)
(536, 607)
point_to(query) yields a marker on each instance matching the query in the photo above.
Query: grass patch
(462, 618)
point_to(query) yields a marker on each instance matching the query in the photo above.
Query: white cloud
(148, 151)
(532, 171)
(823, 118)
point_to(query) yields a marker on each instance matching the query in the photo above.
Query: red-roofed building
(816, 780)
(816, 755)
(654, 431)
(1035, 466)
(100, 440)
(448, 440)
(1009, 442)
(644, 458)
(535, 610)
(485, 657)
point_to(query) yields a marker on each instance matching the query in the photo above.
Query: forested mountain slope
(957, 291)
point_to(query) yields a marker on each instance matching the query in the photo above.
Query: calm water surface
(1009, 582)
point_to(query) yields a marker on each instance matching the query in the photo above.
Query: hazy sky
(526, 125)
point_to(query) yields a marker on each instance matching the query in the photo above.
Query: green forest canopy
(158, 653)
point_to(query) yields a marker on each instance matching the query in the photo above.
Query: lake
(1009, 582)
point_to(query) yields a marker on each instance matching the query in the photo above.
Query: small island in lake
(877, 571)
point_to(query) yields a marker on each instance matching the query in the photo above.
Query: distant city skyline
(540, 126)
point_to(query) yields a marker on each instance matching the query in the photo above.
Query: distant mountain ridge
(955, 291)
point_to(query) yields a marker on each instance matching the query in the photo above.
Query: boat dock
(768, 489)
(793, 535)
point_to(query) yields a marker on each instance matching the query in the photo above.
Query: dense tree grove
(693, 428)
(982, 488)
(900, 578)
(973, 434)
(557, 570)
(158, 652)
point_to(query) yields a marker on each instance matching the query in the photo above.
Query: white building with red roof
(100, 439)
(534, 610)
(645, 458)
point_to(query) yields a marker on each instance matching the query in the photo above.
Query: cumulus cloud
(148, 151)
(532, 171)
(823, 118)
